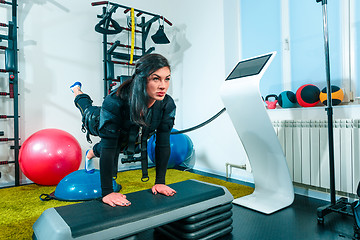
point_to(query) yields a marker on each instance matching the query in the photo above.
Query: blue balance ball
(181, 149)
(80, 186)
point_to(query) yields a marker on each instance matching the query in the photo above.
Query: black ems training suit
(114, 128)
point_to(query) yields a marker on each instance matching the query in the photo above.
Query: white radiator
(306, 147)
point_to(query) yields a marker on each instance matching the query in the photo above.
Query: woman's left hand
(163, 189)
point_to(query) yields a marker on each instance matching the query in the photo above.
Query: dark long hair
(134, 89)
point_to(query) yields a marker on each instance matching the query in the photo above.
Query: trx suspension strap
(132, 35)
(144, 156)
(137, 136)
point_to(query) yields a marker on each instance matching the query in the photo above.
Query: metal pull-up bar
(6, 139)
(6, 162)
(117, 43)
(5, 2)
(6, 116)
(123, 63)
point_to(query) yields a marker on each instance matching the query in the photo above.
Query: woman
(139, 102)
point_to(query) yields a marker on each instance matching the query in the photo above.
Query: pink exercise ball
(48, 155)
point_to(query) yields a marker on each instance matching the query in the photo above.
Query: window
(295, 30)
(260, 34)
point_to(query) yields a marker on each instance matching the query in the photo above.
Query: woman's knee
(82, 102)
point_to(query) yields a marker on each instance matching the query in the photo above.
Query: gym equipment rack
(109, 52)
(11, 67)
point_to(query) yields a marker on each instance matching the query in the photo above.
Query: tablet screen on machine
(249, 67)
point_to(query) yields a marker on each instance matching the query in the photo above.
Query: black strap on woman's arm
(130, 150)
(144, 156)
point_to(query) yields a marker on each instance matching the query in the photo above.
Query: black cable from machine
(201, 124)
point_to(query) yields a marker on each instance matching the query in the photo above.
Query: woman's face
(157, 85)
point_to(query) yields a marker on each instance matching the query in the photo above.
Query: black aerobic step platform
(215, 211)
(210, 224)
(193, 227)
(95, 220)
(215, 232)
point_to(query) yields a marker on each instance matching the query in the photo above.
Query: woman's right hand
(114, 199)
